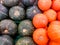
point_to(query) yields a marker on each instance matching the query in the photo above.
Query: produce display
(29, 22)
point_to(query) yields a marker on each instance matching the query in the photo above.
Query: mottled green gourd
(8, 27)
(6, 40)
(25, 28)
(25, 41)
(17, 13)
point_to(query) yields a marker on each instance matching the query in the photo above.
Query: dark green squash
(17, 13)
(6, 40)
(3, 12)
(8, 27)
(25, 28)
(25, 41)
(32, 11)
(10, 3)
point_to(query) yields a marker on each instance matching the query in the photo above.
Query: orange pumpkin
(40, 36)
(54, 31)
(44, 4)
(51, 15)
(40, 21)
(56, 5)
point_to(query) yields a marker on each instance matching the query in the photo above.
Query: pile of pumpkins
(29, 22)
(16, 26)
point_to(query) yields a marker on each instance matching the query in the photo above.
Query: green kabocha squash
(10, 3)
(25, 41)
(8, 27)
(32, 11)
(17, 13)
(25, 28)
(6, 40)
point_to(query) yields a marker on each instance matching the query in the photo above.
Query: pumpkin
(25, 28)
(32, 11)
(8, 27)
(17, 13)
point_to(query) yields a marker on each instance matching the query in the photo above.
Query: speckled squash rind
(32, 11)
(8, 27)
(25, 28)
(17, 13)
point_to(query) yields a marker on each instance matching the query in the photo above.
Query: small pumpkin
(25, 28)
(17, 13)
(32, 11)
(8, 27)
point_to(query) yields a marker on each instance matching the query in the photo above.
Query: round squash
(8, 27)
(25, 41)
(25, 28)
(32, 11)
(17, 13)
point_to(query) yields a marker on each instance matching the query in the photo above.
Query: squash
(17, 13)
(32, 11)
(8, 27)
(25, 28)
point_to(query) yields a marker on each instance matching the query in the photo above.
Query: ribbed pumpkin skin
(25, 28)
(32, 11)
(17, 13)
(10, 3)
(8, 27)
(28, 2)
(6, 40)
(3, 12)
(25, 41)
